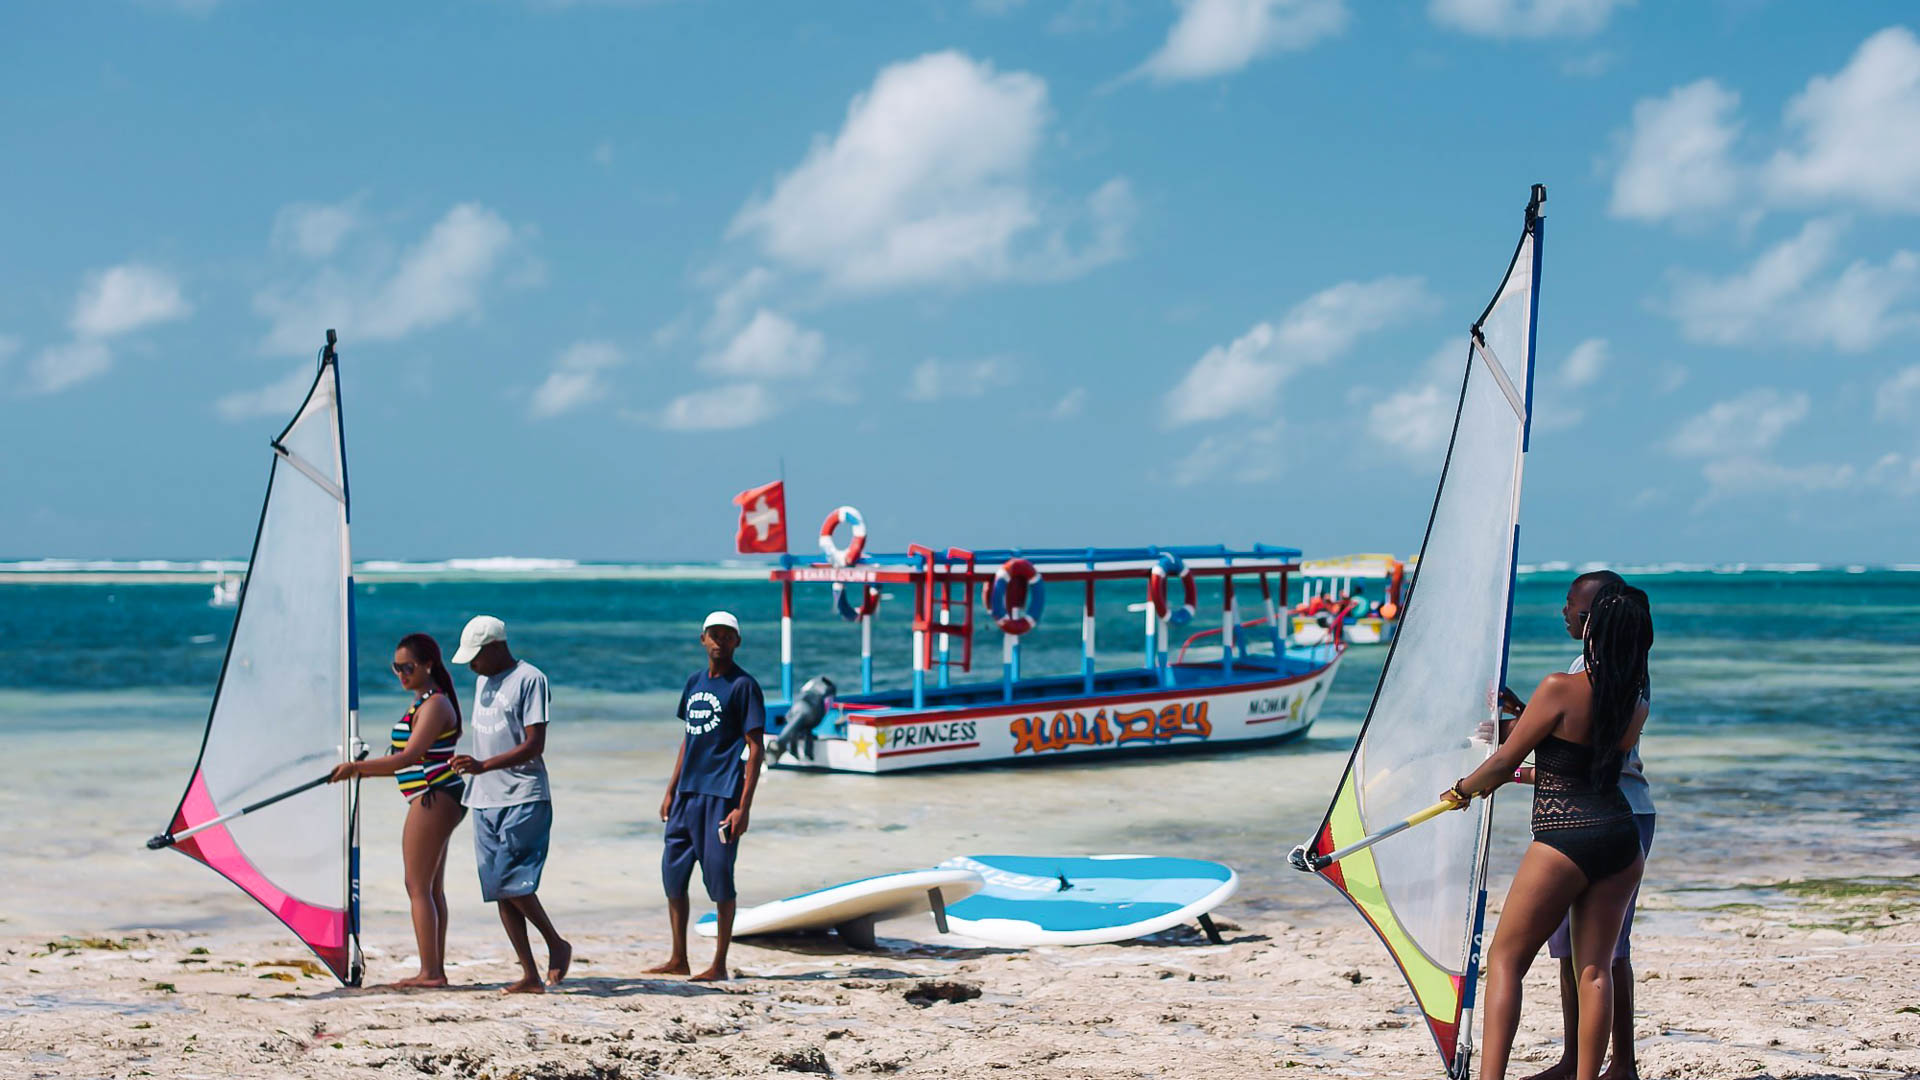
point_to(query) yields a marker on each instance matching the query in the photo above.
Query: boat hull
(1232, 711)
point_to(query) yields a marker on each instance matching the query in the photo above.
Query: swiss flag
(763, 519)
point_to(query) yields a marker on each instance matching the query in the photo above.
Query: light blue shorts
(1560, 945)
(510, 846)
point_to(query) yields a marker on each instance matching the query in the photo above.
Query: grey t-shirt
(1633, 776)
(504, 707)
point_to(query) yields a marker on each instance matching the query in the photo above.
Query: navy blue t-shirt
(719, 714)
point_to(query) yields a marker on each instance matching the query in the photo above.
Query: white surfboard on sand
(851, 908)
(1087, 899)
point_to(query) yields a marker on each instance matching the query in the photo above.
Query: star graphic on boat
(863, 747)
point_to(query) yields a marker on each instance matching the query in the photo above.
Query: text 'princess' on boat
(1235, 684)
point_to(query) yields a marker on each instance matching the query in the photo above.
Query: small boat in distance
(226, 591)
(1355, 598)
(1244, 686)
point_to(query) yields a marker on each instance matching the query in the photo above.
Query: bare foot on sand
(529, 984)
(716, 973)
(1559, 1070)
(1616, 1071)
(677, 966)
(558, 961)
(421, 982)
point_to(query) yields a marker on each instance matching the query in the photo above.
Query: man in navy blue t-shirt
(707, 800)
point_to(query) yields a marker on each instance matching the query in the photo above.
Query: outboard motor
(808, 709)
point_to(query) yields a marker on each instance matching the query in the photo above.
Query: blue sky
(997, 272)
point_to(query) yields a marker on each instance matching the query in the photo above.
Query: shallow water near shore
(1782, 744)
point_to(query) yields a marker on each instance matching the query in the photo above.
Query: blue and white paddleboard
(1084, 899)
(854, 906)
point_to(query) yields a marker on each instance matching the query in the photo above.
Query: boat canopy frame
(935, 575)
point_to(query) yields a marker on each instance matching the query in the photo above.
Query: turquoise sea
(1785, 738)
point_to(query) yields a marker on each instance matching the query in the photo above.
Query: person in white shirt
(508, 793)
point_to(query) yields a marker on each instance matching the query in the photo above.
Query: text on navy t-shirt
(719, 712)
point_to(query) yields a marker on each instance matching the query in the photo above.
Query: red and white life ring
(848, 516)
(1016, 596)
(870, 599)
(1169, 565)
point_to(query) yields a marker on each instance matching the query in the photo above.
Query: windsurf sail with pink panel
(1436, 708)
(257, 809)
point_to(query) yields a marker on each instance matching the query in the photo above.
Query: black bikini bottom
(1600, 851)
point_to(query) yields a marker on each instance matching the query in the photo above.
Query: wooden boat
(1236, 684)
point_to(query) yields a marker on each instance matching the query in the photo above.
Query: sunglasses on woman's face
(403, 669)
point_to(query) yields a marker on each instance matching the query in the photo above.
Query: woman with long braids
(1585, 853)
(422, 744)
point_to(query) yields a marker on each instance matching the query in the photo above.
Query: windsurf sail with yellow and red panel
(257, 809)
(1436, 708)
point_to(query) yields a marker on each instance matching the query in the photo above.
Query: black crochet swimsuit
(1591, 825)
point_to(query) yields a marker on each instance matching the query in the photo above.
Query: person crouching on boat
(707, 801)
(1586, 852)
(422, 743)
(508, 792)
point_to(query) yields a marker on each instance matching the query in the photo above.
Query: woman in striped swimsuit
(421, 745)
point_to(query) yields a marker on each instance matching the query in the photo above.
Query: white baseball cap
(481, 631)
(721, 618)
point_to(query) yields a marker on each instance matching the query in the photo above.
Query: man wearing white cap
(706, 805)
(508, 793)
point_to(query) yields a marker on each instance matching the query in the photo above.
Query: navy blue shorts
(510, 846)
(693, 835)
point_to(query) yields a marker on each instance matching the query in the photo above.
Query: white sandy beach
(1818, 986)
(121, 962)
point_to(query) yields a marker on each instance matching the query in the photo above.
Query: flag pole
(786, 592)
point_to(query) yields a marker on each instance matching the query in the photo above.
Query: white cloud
(1755, 476)
(770, 346)
(1678, 154)
(1219, 37)
(1858, 131)
(315, 230)
(722, 408)
(927, 182)
(934, 380)
(1525, 18)
(1243, 375)
(1781, 296)
(1739, 427)
(277, 398)
(577, 378)
(58, 367)
(1074, 402)
(125, 298)
(1899, 397)
(441, 278)
(1585, 363)
(1247, 456)
(1416, 423)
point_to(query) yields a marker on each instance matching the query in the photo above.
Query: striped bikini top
(433, 772)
